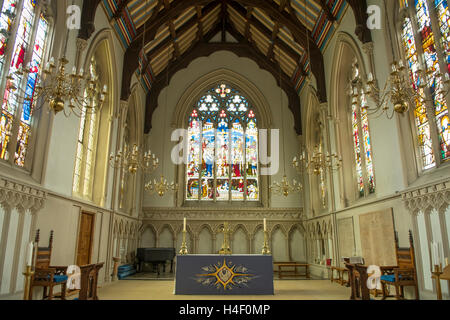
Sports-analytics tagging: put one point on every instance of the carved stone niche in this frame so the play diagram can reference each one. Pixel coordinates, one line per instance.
(17, 195)
(245, 214)
(434, 196)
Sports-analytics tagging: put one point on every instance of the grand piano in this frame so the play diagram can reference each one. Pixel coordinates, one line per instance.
(157, 257)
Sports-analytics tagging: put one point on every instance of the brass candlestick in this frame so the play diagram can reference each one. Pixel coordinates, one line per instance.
(266, 249)
(437, 275)
(28, 276)
(184, 250)
(226, 240)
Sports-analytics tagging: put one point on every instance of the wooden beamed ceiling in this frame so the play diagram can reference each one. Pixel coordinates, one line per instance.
(274, 33)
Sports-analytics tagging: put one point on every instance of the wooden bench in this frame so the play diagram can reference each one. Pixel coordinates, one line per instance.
(340, 276)
(289, 265)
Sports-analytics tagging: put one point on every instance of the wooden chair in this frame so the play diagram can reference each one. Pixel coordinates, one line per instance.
(89, 280)
(403, 274)
(47, 276)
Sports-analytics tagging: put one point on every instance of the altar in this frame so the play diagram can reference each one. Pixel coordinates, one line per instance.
(224, 275)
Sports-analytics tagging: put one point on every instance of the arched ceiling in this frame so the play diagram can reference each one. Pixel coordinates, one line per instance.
(274, 33)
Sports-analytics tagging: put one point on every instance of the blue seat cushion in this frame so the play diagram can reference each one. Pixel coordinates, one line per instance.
(126, 267)
(60, 278)
(389, 277)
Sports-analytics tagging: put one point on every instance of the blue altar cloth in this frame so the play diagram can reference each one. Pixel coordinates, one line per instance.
(224, 275)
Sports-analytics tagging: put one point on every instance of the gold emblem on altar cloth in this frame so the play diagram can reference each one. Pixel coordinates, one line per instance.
(225, 275)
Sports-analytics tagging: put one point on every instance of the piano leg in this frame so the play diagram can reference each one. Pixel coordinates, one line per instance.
(164, 267)
(171, 266)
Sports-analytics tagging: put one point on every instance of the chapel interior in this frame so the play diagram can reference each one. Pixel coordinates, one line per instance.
(314, 133)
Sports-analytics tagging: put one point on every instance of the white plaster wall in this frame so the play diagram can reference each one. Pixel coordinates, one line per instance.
(148, 239)
(165, 238)
(279, 250)
(240, 242)
(205, 243)
(258, 242)
(297, 246)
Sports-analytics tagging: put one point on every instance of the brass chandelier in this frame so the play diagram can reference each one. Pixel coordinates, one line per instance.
(162, 186)
(133, 160)
(284, 188)
(318, 162)
(399, 91)
(80, 91)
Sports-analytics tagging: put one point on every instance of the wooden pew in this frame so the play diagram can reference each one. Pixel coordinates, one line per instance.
(89, 281)
(358, 281)
(290, 272)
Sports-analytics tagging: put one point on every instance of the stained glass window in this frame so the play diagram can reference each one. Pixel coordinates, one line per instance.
(444, 26)
(87, 140)
(222, 162)
(434, 109)
(420, 112)
(435, 81)
(361, 137)
(31, 30)
(7, 16)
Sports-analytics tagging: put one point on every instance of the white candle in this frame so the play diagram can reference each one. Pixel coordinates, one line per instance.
(265, 224)
(184, 225)
(370, 77)
(30, 254)
(446, 262)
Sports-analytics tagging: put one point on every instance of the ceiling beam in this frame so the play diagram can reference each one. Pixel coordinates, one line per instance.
(87, 26)
(296, 28)
(199, 22)
(276, 30)
(188, 25)
(264, 30)
(248, 16)
(264, 63)
(324, 5)
(163, 16)
(224, 16)
(120, 9)
(360, 12)
(241, 49)
(131, 57)
(283, 4)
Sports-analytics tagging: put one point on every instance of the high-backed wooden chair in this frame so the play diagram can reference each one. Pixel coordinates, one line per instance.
(403, 274)
(89, 280)
(47, 276)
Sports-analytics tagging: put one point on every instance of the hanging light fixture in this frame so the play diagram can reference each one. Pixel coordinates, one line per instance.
(81, 92)
(284, 188)
(162, 187)
(318, 162)
(133, 160)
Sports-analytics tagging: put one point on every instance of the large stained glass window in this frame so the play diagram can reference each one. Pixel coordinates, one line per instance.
(420, 111)
(26, 50)
(87, 141)
(432, 113)
(361, 137)
(222, 161)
